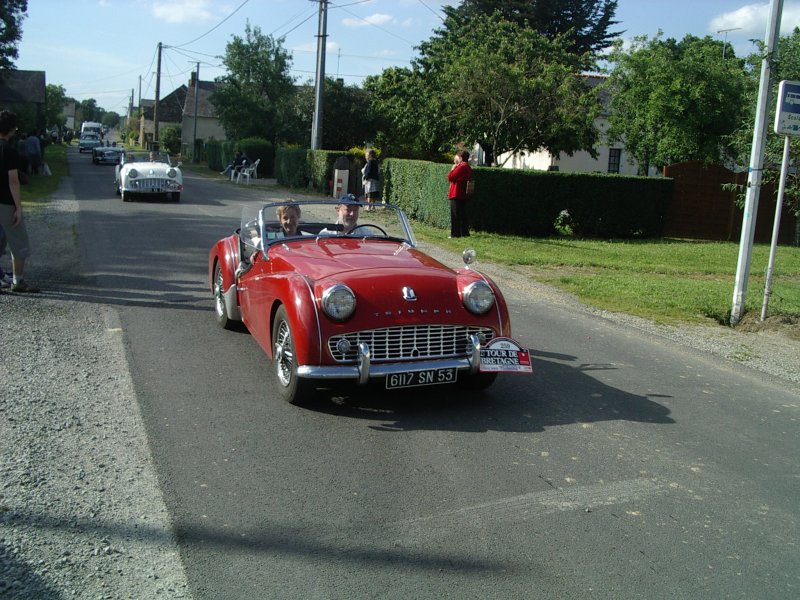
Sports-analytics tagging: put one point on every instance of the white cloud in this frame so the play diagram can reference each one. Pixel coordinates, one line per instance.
(375, 19)
(751, 19)
(182, 11)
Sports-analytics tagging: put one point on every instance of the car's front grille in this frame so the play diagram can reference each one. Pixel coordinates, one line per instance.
(151, 184)
(408, 343)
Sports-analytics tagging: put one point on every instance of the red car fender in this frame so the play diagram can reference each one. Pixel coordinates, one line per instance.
(467, 276)
(226, 253)
(296, 293)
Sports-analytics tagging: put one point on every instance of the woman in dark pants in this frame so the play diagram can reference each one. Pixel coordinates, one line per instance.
(458, 177)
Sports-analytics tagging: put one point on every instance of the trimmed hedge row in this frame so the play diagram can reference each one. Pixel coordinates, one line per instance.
(528, 203)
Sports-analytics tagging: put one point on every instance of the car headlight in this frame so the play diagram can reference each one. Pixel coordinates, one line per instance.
(133, 173)
(338, 302)
(478, 297)
(172, 173)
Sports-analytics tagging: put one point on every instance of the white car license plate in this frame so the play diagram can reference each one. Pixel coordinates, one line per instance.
(417, 378)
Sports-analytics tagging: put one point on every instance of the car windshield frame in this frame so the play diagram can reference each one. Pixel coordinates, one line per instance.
(132, 156)
(261, 229)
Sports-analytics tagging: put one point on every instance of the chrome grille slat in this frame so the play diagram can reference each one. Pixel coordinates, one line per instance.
(409, 342)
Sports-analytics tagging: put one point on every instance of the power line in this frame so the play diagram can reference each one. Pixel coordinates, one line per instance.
(215, 26)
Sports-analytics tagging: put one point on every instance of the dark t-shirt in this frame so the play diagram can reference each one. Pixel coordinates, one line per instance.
(8, 162)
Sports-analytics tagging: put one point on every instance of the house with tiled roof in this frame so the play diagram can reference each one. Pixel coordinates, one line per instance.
(204, 119)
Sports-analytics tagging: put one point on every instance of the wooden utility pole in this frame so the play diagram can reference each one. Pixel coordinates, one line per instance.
(319, 90)
(158, 93)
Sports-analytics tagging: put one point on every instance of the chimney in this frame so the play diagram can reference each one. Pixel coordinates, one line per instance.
(191, 79)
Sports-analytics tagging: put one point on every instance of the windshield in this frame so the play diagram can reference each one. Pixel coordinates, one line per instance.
(139, 157)
(279, 222)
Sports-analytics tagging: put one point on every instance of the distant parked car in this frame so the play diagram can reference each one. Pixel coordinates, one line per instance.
(107, 155)
(148, 174)
(88, 142)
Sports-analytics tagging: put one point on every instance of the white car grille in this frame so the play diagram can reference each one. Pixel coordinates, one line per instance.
(151, 184)
(408, 342)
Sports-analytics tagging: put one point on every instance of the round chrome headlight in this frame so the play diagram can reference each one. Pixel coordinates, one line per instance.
(478, 297)
(338, 302)
(172, 173)
(133, 173)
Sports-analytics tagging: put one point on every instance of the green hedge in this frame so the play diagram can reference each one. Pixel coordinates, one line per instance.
(530, 202)
(527, 203)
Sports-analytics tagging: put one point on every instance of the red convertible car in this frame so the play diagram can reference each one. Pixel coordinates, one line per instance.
(333, 295)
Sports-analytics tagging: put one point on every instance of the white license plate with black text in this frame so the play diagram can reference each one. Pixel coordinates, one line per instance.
(417, 378)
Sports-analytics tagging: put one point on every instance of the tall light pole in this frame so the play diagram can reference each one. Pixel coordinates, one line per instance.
(158, 93)
(319, 88)
(195, 158)
(756, 165)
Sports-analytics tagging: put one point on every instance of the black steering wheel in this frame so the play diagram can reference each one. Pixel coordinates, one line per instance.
(367, 226)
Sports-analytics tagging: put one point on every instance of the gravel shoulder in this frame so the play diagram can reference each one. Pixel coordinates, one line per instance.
(81, 513)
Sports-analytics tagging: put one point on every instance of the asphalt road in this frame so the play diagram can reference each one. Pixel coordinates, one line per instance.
(625, 467)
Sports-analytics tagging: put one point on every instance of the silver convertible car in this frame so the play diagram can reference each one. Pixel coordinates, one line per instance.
(148, 174)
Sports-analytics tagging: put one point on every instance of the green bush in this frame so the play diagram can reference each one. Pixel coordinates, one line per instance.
(291, 167)
(534, 203)
(171, 139)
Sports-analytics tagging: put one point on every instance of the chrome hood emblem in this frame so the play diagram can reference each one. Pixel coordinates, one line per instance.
(408, 294)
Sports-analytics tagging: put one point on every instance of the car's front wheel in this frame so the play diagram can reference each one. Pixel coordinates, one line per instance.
(290, 387)
(220, 308)
(126, 196)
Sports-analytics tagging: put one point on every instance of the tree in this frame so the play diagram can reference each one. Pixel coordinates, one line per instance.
(347, 120)
(490, 81)
(12, 13)
(584, 24)
(55, 98)
(111, 119)
(254, 94)
(675, 101)
(784, 66)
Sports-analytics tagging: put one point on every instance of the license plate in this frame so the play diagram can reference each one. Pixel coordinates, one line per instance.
(417, 378)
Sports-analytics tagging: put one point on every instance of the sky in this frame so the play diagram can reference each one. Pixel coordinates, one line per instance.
(106, 49)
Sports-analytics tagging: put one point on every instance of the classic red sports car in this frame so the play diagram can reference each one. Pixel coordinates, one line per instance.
(331, 295)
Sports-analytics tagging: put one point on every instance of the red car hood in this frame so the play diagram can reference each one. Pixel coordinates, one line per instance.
(378, 272)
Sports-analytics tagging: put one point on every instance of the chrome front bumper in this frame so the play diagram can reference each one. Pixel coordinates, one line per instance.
(364, 370)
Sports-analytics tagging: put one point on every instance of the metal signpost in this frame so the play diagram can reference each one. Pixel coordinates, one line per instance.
(787, 123)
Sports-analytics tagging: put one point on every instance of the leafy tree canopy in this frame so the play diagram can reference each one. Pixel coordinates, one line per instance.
(55, 96)
(491, 81)
(346, 118)
(584, 24)
(12, 12)
(675, 101)
(256, 90)
(785, 65)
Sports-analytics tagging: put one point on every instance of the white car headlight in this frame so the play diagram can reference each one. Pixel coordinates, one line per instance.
(133, 173)
(338, 302)
(478, 297)
(172, 173)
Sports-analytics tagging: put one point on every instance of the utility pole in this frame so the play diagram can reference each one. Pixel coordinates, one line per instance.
(756, 165)
(316, 126)
(195, 158)
(158, 93)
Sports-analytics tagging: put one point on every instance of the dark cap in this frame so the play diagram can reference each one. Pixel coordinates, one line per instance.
(348, 199)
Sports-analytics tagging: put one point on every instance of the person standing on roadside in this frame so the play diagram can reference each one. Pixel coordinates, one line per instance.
(458, 177)
(11, 204)
(372, 180)
(33, 148)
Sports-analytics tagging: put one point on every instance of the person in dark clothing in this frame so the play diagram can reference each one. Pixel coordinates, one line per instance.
(458, 177)
(11, 204)
(372, 183)
(239, 162)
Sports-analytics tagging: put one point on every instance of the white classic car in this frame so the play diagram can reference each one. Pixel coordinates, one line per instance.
(148, 174)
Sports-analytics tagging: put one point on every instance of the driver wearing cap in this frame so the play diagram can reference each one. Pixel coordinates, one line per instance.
(346, 216)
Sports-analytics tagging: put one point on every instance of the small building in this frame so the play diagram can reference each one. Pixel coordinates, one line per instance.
(24, 92)
(205, 120)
